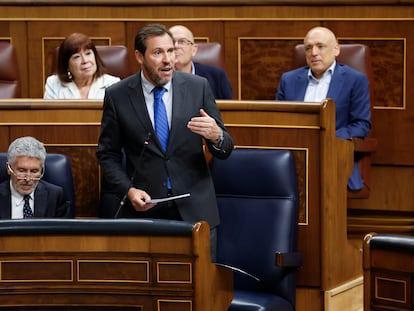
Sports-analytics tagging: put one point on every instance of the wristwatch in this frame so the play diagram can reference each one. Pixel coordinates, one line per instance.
(219, 141)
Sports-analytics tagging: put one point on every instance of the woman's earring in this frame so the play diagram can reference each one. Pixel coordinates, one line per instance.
(70, 75)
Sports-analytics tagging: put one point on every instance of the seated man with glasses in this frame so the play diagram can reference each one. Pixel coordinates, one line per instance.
(185, 49)
(25, 195)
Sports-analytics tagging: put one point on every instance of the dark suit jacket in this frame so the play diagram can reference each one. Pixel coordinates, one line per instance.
(48, 201)
(217, 78)
(349, 89)
(126, 125)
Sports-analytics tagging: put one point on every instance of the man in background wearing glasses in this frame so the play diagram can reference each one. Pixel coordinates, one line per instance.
(185, 50)
(25, 195)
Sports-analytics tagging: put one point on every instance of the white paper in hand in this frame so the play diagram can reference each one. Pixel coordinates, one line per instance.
(175, 197)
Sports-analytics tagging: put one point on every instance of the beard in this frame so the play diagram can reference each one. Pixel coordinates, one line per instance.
(153, 75)
(24, 187)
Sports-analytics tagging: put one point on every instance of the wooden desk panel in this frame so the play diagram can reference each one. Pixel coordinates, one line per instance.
(111, 271)
(388, 273)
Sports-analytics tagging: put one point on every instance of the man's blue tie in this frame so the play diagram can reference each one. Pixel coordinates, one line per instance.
(160, 117)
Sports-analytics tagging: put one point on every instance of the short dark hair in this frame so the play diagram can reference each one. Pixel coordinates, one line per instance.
(74, 43)
(150, 30)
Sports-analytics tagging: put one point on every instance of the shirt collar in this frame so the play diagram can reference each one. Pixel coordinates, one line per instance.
(329, 71)
(17, 195)
(148, 86)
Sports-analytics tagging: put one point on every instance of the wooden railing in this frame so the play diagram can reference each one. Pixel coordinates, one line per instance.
(118, 264)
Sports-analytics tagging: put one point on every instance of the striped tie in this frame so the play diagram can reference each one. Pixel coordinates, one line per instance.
(160, 117)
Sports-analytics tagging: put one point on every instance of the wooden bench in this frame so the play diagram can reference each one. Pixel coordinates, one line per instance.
(117, 264)
(388, 262)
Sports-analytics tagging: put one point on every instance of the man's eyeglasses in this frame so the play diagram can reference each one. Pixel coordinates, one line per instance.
(183, 42)
(26, 176)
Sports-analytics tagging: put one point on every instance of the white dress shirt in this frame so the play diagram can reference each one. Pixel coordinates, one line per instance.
(17, 203)
(147, 87)
(317, 90)
(56, 89)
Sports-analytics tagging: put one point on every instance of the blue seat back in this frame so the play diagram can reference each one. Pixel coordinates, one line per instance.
(58, 171)
(257, 195)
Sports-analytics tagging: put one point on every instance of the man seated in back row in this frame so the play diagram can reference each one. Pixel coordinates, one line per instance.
(324, 78)
(25, 195)
(185, 50)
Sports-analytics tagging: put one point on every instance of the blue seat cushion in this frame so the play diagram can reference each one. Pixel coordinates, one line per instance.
(258, 301)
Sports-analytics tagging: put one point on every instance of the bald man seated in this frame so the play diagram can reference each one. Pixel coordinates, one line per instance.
(324, 78)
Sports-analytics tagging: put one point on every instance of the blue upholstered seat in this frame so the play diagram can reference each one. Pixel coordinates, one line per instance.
(257, 194)
(58, 171)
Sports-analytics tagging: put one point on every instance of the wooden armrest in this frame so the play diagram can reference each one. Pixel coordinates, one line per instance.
(289, 260)
(368, 144)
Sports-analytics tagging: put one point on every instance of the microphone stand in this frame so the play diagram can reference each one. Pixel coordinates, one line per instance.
(122, 202)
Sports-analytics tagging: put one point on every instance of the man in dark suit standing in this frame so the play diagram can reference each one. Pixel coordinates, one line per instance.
(186, 48)
(129, 125)
(26, 195)
(324, 78)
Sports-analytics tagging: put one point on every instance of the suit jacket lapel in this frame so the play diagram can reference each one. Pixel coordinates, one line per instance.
(5, 200)
(178, 107)
(40, 200)
(137, 100)
(337, 82)
(301, 85)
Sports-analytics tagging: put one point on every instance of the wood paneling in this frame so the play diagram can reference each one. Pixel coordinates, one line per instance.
(256, 53)
(388, 283)
(208, 2)
(97, 266)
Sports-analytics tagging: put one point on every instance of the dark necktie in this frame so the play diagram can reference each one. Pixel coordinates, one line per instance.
(160, 117)
(27, 211)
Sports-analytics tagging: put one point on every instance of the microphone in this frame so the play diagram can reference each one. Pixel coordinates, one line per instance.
(122, 202)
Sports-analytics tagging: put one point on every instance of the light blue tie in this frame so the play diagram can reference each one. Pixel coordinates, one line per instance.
(160, 117)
